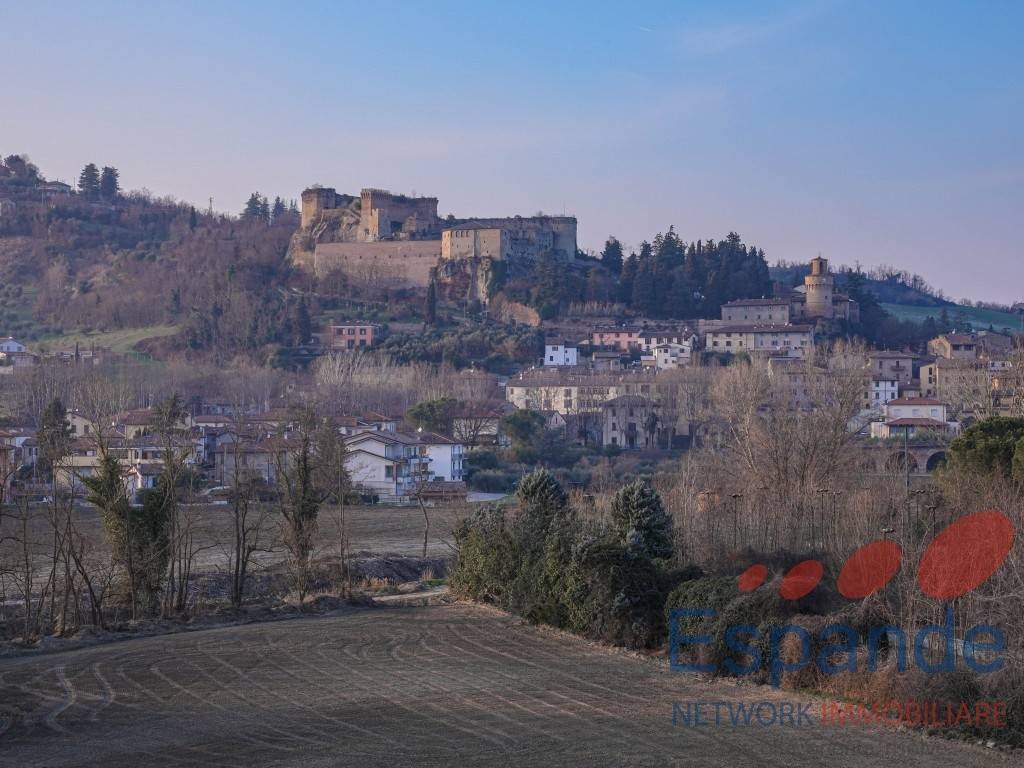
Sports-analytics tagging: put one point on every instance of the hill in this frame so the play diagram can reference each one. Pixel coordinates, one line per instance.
(113, 269)
(978, 317)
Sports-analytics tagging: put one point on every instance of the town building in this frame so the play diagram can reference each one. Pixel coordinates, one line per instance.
(350, 337)
(786, 340)
(898, 366)
(571, 391)
(621, 338)
(954, 346)
(560, 353)
(882, 390)
(669, 356)
(772, 311)
(910, 417)
(630, 422)
(9, 344)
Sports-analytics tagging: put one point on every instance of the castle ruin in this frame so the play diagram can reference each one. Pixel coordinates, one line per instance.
(400, 241)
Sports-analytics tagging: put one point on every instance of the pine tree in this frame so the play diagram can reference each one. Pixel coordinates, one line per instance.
(644, 292)
(639, 519)
(54, 435)
(302, 325)
(252, 207)
(611, 256)
(110, 183)
(277, 210)
(89, 181)
(629, 269)
(679, 297)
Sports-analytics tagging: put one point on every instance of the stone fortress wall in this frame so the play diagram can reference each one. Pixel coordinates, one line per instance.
(388, 263)
(382, 237)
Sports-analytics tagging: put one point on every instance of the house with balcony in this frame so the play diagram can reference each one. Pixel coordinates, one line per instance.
(910, 418)
(390, 465)
(889, 365)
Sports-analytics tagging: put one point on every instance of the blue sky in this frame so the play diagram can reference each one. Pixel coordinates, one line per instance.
(872, 132)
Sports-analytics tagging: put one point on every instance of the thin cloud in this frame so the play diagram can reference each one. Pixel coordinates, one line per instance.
(719, 39)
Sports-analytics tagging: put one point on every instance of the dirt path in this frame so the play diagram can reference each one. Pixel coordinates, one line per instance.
(435, 686)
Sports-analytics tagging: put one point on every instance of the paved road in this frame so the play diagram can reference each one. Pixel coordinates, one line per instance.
(435, 686)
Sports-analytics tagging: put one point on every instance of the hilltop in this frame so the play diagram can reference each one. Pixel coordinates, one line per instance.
(96, 266)
(77, 265)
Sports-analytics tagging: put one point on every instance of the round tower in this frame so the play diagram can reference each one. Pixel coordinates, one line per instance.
(819, 285)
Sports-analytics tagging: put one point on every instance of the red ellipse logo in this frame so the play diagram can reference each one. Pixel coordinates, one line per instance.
(869, 569)
(801, 579)
(965, 554)
(752, 578)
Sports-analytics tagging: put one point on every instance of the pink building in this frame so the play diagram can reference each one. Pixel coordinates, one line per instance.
(621, 338)
(348, 337)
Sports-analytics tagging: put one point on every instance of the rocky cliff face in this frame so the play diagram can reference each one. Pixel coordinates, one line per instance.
(464, 279)
(336, 225)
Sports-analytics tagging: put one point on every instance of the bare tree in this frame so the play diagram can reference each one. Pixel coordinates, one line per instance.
(299, 498)
(250, 523)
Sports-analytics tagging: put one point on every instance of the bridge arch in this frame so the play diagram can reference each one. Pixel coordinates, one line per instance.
(935, 461)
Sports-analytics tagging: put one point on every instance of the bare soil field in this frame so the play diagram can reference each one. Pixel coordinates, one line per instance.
(454, 685)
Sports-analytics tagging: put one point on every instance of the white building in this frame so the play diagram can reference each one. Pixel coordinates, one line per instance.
(395, 464)
(445, 456)
(881, 391)
(560, 354)
(906, 417)
(9, 344)
(664, 357)
(388, 464)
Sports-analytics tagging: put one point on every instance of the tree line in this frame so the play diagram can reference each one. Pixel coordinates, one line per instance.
(666, 278)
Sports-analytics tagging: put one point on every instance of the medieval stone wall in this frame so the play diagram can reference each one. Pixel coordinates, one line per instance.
(384, 264)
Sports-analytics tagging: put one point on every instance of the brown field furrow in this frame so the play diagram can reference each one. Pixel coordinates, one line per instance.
(429, 686)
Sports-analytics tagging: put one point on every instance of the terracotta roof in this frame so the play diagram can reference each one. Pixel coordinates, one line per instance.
(762, 329)
(916, 401)
(775, 301)
(886, 353)
(916, 422)
(957, 338)
(138, 418)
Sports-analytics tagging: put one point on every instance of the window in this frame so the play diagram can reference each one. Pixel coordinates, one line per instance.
(389, 471)
(362, 331)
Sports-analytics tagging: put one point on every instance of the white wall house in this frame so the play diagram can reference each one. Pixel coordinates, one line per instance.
(445, 456)
(881, 391)
(560, 354)
(10, 344)
(906, 417)
(391, 464)
(664, 357)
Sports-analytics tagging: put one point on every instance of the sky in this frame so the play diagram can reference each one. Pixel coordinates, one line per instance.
(870, 132)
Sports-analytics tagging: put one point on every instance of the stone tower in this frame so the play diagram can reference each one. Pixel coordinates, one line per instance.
(315, 201)
(819, 286)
